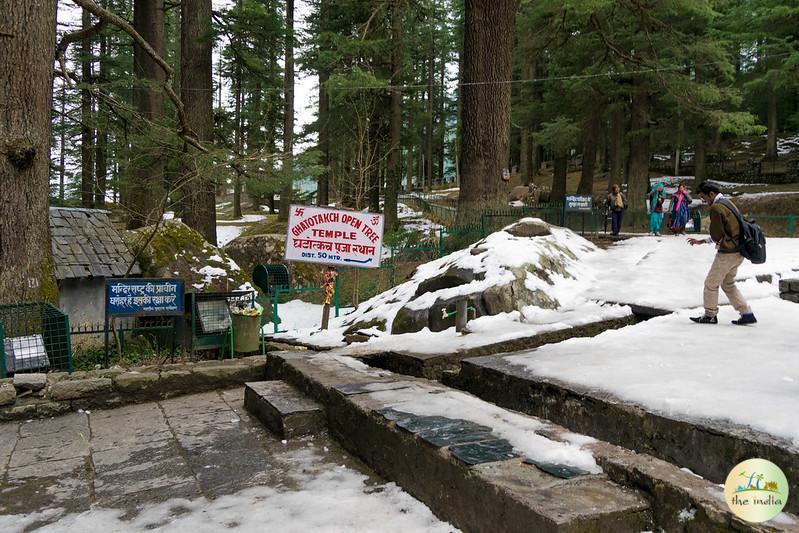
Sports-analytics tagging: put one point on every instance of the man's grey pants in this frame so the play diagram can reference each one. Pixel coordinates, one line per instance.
(723, 272)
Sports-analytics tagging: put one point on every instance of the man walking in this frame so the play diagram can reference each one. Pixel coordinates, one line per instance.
(725, 232)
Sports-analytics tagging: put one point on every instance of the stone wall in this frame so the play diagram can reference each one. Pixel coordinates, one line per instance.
(789, 290)
(27, 396)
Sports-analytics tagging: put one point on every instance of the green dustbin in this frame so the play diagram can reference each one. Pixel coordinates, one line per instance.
(246, 333)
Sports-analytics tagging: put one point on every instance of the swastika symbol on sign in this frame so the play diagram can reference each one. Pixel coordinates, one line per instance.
(299, 211)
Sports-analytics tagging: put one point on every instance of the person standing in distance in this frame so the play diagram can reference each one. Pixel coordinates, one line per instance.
(616, 204)
(725, 232)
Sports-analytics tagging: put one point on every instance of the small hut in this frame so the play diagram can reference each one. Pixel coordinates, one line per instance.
(87, 249)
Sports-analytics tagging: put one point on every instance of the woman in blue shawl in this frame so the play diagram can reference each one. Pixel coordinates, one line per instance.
(655, 201)
(680, 210)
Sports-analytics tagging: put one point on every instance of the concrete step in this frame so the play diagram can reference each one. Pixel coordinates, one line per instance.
(283, 409)
(710, 448)
(434, 366)
(468, 473)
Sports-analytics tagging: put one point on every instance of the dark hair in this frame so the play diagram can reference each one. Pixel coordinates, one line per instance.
(706, 188)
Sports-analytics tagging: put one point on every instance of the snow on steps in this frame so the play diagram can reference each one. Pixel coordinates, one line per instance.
(708, 447)
(634, 491)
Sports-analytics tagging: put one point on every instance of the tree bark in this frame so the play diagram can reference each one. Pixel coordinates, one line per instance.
(700, 155)
(485, 113)
(239, 131)
(590, 141)
(288, 118)
(101, 156)
(617, 133)
(559, 174)
(638, 178)
(394, 170)
(429, 125)
(197, 93)
(147, 181)
(771, 137)
(86, 119)
(62, 159)
(27, 49)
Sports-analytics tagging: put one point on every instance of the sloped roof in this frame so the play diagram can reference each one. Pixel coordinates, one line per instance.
(85, 244)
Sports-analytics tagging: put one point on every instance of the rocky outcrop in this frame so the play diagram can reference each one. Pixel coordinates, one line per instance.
(498, 298)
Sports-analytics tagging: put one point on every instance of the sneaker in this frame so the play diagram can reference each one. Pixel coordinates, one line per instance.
(746, 318)
(704, 319)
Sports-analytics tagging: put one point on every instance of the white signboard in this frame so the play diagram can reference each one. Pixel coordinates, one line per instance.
(334, 236)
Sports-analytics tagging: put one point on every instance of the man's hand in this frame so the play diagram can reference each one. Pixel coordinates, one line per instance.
(694, 242)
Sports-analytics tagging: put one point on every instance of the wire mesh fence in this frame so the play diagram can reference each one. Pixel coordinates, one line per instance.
(34, 337)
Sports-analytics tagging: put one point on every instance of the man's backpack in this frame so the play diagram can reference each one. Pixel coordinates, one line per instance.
(752, 242)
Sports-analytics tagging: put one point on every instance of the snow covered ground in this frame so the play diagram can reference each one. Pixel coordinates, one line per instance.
(296, 314)
(226, 233)
(334, 500)
(748, 375)
(666, 272)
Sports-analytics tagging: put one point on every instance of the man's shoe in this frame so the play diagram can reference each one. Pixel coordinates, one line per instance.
(704, 319)
(746, 318)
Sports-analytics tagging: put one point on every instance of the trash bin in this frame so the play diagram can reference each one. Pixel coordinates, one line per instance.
(246, 323)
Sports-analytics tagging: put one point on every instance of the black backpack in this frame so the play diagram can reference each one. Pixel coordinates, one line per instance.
(752, 243)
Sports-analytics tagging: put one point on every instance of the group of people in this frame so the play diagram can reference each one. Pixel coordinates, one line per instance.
(679, 209)
(725, 234)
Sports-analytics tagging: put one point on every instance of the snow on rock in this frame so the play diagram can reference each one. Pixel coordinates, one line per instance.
(746, 375)
(517, 429)
(226, 233)
(526, 279)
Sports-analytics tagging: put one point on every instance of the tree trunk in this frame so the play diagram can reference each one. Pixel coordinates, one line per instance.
(288, 118)
(146, 190)
(394, 170)
(485, 112)
(428, 138)
(323, 185)
(559, 174)
(525, 156)
(101, 156)
(62, 159)
(239, 138)
(617, 133)
(196, 91)
(700, 155)
(86, 119)
(771, 138)
(586, 186)
(27, 48)
(441, 119)
(638, 178)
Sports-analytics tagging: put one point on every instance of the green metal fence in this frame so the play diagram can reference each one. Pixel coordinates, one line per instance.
(34, 337)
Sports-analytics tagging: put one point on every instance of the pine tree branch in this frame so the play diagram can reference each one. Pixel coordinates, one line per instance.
(184, 131)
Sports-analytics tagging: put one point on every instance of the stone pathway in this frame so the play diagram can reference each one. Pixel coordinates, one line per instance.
(126, 458)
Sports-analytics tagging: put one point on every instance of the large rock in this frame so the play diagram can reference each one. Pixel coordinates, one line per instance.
(8, 394)
(453, 277)
(79, 388)
(529, 227)
(32, 382)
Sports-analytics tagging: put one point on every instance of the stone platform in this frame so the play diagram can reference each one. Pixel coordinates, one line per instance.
(707, 447)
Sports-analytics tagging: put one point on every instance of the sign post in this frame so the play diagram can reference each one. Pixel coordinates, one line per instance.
(141, 297)
(333, 237)
(578, 204)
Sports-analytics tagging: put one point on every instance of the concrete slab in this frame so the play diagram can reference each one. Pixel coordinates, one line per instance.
(284, 410)
(473, 498)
